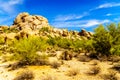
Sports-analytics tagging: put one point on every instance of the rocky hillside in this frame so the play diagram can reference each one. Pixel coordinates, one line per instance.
(26, 24)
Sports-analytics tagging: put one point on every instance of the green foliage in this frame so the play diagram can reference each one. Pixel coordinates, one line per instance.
(31, 44)
(43, 29)
(75, 45)
(1, 40)
(78, 45)
(107, 40)
(102, 40)
(64, 43)
(88, 46)
(60, 42)
(25, 49)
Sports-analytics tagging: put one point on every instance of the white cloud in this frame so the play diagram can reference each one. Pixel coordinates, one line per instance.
(117, 19)
(91, 23)
(9, 5)
(108, 5)
(108, 14)
(70, 17)
(81, 23)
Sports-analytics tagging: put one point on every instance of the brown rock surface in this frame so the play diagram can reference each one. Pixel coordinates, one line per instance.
(33, 22)
(85, 33)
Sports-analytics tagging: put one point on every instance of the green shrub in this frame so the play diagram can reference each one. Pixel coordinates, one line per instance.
(78, 45)
(102, 40)
(107, 40)
(88, 46)
(65, 43)
(60, 42)
(31, 44)
(25, 49)
(43, 29)
(52, 41)
(1, 40)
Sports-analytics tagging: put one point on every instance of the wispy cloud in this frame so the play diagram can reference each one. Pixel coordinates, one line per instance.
(8, 10)
(70, 17)
(106, 5)
(80, 23)
(91, 23)
(109, 14)
(9, 5)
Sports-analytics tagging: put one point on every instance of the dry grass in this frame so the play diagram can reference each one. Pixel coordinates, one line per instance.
(48, 77)
(110, 76)
(94, 70)
(73, 72)
(94, 62)
(116, 67)
(26, 75)
(83, 58)
(55, 64)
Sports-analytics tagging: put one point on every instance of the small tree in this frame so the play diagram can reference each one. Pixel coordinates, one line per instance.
(25, 49)
(102, 40)
(107, 40)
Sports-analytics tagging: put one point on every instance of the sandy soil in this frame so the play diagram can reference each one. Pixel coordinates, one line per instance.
(41, 72)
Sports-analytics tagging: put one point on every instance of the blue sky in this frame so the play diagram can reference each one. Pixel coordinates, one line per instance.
(70, 14)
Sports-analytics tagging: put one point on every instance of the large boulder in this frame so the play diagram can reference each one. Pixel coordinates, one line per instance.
(26, 21)
(85, 33)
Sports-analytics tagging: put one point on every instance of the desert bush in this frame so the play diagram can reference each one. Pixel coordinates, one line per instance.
(52, 41)
(114, 58)
(83, 58)
(43, 29)
(30, 44)
(95, 62)
(73, 72)
(26, 75)
(107, 40)
(25, 50)
(66, 55)
(94, 70)
(64, 43)
(88, 46)
(78, 45)
(75, 45)
(102, 40)
(1, 40)
(116, 67)
(55, 64)
(30, 59)
(110, 76)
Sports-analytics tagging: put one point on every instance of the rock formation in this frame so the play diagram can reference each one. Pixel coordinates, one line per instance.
(26, 25)
(85, 33)
(26, 21)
